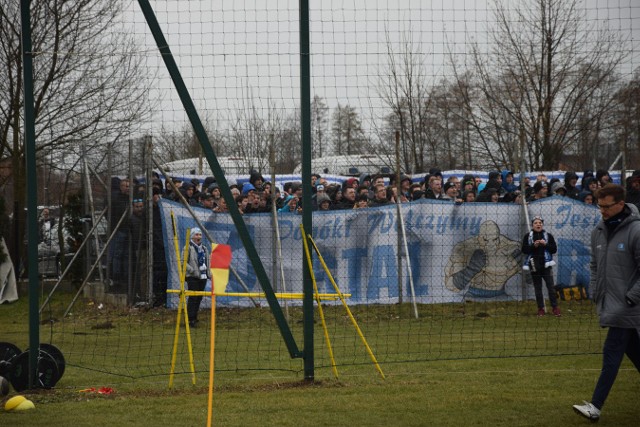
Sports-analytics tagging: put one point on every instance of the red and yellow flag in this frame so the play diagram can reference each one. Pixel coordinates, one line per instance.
(220, 262)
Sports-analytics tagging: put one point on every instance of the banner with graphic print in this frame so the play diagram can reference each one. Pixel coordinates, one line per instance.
(456, 252)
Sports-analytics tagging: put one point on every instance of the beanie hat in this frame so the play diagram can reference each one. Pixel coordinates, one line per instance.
(247, 187)
(557, 186)
(537, 218)
(323, 198)
(196, 230)
(539, 185)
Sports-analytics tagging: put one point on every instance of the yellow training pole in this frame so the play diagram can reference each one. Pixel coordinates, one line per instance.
(279, 295)
(176, 335)
(334, 368)
(212, 351)
(186, 313)
(346, 307)
(182, 305)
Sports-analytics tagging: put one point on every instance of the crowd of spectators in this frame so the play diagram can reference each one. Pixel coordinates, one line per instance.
(255, 196)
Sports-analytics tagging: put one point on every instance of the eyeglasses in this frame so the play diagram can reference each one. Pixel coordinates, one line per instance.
(605, 207)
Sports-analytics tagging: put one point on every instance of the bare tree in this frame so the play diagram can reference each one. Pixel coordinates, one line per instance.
(402, 86)
(546, 66)
(627, 119)
(171, 144)
(253, 129)
(87, 83)
(289, 145)
(348, 135)
(319, 125)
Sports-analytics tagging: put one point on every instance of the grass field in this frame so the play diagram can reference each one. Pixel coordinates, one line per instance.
(492, 365)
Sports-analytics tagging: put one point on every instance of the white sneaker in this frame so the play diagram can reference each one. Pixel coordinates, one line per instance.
(587, 410)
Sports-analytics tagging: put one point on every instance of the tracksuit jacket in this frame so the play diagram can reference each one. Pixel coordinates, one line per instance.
(615, 272)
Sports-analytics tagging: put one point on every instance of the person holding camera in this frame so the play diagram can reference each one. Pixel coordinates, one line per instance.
(539, 246)
(197, 273)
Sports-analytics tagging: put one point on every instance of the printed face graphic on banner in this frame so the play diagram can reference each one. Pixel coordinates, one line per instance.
(481, 265)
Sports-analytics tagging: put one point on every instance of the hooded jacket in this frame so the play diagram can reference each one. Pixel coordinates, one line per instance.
(615, 275)
(509, 188)
(572, 191)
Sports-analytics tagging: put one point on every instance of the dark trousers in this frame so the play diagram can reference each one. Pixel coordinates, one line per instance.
(119, 257)
(538, 277)
(619, 341)
(193, 303)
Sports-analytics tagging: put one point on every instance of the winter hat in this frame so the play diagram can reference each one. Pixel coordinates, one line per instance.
(254, 176)
(494, 175)
(349, 182)
(196, 230)
(448, 185)
(323, 198)
(537, 218)
(435, 171)
(570, 175)
(557, 186)
(539, 185)
(246, 188)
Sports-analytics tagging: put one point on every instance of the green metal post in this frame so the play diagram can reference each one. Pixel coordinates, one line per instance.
(307, 220)
(32, 195)
(201, 133)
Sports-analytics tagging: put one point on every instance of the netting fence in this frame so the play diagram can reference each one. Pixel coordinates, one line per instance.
(396, 86)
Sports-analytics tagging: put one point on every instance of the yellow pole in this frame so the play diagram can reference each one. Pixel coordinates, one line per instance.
(334, 368)
(182, 305)
(180, 301)
(279, 295)
(212, 352)
(185, 258)
(346, 307)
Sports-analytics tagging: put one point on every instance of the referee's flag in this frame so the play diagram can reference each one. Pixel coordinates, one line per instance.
(220, 262)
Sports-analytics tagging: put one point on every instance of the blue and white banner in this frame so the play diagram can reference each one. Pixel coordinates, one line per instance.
(456, 252)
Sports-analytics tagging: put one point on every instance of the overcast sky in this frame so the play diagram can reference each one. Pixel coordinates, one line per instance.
(229, 51)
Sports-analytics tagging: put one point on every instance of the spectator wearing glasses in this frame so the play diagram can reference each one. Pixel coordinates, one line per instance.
(615, 289)
(380, 196)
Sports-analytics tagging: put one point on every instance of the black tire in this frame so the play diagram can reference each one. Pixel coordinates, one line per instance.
(46, 372)
(57, 356)
(8, 352)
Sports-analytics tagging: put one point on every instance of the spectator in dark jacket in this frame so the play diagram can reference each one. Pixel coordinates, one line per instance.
(507, 182)
(570, 184)
(539, 246)
(586, 174)
(633, 189)
(603, 177)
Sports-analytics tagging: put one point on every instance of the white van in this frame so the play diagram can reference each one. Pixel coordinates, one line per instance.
(350, 165)
(230, 166)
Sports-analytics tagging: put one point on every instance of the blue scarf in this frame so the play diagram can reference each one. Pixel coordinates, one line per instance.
(548, 258)
(201, 253)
